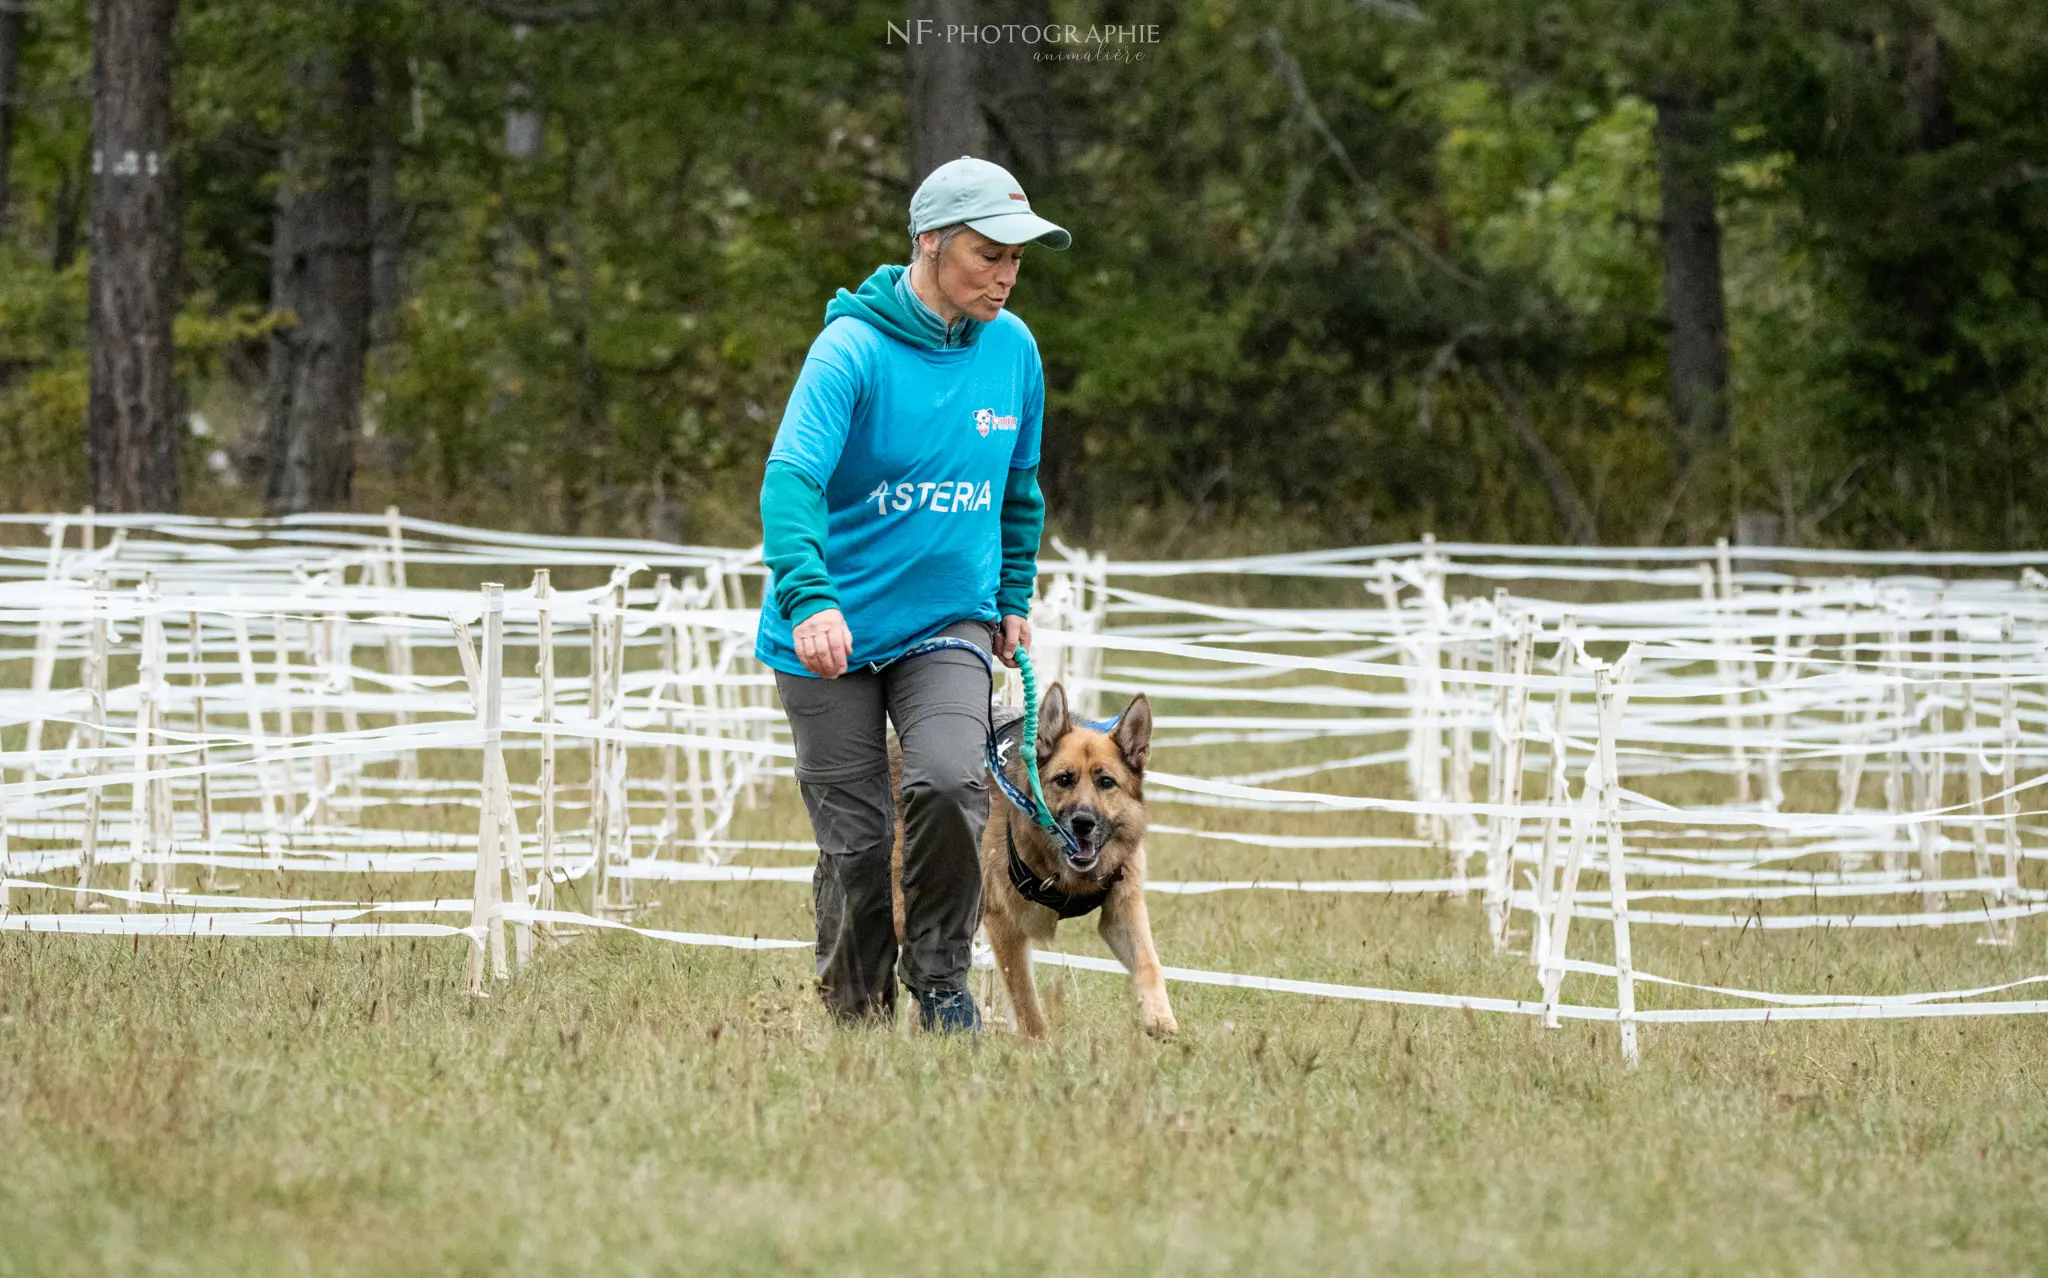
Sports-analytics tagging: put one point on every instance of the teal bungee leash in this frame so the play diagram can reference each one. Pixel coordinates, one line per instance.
(1027, 740)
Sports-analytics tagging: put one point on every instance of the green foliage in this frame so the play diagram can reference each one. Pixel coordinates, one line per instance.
(1581, 225)
(621, 315)
(42, 371)
(1294, 301)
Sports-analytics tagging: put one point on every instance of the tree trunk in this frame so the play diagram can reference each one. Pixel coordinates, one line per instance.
(1934, 123)
(388, 225)
(1695, 301)
(1022, 121)
(13, 25)
(132, 427)
(321, 279)
(946, 119)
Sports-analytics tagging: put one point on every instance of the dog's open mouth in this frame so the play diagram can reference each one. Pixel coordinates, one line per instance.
(1083, 852)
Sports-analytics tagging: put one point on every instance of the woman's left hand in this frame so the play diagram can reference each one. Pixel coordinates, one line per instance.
(1016, 630)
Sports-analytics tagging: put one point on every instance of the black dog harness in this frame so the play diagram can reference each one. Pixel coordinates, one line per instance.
(1046, 891)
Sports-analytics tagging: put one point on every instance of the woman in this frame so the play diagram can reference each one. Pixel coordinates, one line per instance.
(900, 503)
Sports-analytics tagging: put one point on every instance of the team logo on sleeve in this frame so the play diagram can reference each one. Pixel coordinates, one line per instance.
(985, 420)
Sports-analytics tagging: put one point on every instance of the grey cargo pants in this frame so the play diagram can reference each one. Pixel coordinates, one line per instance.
(939, 703)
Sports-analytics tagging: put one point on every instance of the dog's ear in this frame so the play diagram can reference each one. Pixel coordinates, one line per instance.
(1133, 733)
(1053, 721)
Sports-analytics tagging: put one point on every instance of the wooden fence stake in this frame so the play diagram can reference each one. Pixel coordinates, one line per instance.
(594, 703)
(341, 653)
(619, 821)
(543, 595)
(141, 821)
(1849, 769)
(721, 767)
(1973, 789)
(49, 638)
(398, 640)
(1610, 700)
(485, 917)
(665, 696)
(1430, 731)
(510, 853)
(1934, 771)
(319, 655)
(259, 746)
(286, 727)
(1496, 742)
(2009, 729)
(95, 735)
(688, 647)
(1782, 665)
(1508, 828)
(746, 763)
(1727, 668)
(1559, 947)
(1899, 698)
(1463, 828)
(1556, 790)
(6, 857)
(196, 673)
(1390, 599)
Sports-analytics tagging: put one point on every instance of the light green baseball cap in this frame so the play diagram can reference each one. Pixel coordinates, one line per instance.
(987, 198)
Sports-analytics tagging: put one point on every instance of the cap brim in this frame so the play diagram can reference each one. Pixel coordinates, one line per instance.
(1022, 228)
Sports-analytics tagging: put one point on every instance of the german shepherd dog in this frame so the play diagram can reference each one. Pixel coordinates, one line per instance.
(1094, 788)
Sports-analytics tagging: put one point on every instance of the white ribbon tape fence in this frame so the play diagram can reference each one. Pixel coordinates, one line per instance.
(322, 694)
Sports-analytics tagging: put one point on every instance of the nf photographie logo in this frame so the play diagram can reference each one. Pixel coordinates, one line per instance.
(1092, 37)
(1048, 42)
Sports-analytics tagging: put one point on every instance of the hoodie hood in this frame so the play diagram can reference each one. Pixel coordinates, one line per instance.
(887, 302)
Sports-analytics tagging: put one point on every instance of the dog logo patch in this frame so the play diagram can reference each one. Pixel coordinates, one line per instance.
(987, 419)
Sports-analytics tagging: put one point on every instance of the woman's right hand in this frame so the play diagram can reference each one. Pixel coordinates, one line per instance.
(823, 643)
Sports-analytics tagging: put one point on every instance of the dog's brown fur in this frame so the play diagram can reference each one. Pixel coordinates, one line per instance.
(1080, 768)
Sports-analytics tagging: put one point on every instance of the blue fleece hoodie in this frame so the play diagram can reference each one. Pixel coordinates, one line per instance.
(902, 487)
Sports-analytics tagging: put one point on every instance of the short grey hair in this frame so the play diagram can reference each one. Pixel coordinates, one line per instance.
(946, 236)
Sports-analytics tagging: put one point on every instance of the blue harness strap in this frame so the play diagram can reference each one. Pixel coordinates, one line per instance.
(998, 748)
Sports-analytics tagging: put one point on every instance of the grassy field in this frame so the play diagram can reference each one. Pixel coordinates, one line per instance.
(253, 1106)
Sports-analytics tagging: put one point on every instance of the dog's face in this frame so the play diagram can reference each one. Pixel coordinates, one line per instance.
(1094, 781)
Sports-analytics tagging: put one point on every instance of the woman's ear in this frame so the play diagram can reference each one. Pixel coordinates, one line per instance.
(1053, 721)
(1133, 733)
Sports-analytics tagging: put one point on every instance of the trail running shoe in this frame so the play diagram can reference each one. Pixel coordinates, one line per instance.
(949, 1012)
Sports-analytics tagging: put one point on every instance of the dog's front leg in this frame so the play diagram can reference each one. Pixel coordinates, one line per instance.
(1127, 929)
(1012, 949)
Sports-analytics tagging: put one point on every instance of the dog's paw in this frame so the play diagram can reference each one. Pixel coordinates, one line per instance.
(1161, 1024)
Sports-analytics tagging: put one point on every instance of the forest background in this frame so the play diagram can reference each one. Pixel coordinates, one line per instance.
(1623, 271)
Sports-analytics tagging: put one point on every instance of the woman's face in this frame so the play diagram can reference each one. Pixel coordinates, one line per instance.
(976, 273)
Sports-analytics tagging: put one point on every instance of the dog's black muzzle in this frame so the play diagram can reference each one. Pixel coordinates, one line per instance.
(1091, 832)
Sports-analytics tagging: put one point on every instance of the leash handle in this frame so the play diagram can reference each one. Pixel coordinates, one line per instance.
(1041, 813)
